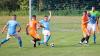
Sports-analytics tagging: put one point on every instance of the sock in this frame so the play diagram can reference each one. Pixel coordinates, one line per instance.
(48, 37)
(87, 39)
(46, 40)
(94, 38)
(41, 42)
(82, 39)
(35, 42)
(4, 41)
(20, 41)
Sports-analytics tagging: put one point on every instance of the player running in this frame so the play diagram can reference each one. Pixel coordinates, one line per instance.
(95, 13)
(46, 29)
(31, 30)
(84, 26)
(11, 27)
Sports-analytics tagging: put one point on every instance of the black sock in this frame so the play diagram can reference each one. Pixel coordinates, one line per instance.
(87, 39)
(35, 42)
(82, 39)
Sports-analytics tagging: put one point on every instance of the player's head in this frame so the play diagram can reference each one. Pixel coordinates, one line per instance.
(14, 17)
(46, 18)
(93, 8)
(85, 12)
(33, 17)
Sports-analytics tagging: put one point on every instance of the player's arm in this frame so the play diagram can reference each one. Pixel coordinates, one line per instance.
(85, 22)
(4, 28)
(49, 15)
(19, 27)
(27, 29)
(39, 25)
(98, 15)
(42, 26)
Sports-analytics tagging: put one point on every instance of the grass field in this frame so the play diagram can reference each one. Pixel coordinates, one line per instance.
(66, 34)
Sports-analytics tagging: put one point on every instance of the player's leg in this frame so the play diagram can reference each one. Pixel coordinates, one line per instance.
(83, 39)
(34, 42)
(19, 39)
(35, 37)
(94, 34)
(5, 40)
(47, 36)
(84, 34)
(88, 32)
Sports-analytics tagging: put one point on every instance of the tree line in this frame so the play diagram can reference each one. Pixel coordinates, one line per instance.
(43, 5)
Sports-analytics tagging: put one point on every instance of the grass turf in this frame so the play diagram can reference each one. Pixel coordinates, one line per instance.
(66, 34)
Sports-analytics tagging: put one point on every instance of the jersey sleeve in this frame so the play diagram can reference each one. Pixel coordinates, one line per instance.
(7, 23)
(18, 24)
(41, 21)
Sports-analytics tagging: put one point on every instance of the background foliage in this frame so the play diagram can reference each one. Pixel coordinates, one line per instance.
(40, 7)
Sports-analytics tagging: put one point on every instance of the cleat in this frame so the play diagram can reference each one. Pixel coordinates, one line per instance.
(94, 42)
(85, 42)
(80, 43)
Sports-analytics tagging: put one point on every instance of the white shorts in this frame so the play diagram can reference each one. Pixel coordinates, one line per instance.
(46, 32)
(15, 35)
(91, 27)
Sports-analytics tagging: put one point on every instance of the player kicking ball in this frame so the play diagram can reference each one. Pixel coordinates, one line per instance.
(11, 27)
(31, 30)
(45, 29)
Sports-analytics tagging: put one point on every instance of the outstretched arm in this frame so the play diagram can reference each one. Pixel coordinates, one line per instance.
(4, 28)
(49, 15)
(19, 29)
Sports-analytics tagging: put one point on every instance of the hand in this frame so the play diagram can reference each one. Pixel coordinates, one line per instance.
(2, 32)
(18, 31)
(50, 12)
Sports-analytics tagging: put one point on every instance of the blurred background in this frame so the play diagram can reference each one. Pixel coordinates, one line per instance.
(41, 7)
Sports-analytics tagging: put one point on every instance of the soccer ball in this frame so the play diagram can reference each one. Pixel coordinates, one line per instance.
(52, 44)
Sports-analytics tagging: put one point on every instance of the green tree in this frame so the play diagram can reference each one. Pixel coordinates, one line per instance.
(23, 4)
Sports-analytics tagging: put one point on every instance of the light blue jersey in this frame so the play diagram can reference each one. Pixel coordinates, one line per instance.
(45, 24)
(12, 25)
(92, 19)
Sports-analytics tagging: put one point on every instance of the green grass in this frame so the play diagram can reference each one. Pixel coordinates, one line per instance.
(66, 34)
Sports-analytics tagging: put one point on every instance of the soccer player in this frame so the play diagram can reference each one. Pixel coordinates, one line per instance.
(11, 27)
(46, 29)
(95, 13)
(31, 30)
(84, 26)
(92, 26)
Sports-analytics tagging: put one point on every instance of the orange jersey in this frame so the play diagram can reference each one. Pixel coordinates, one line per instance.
(84, 24)
(33, 29)
(33, 25)
(84, 19)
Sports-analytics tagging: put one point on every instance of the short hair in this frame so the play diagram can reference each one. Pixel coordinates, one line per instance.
(14, 15)
(45, 16)
(33, 15)
(85, 11)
